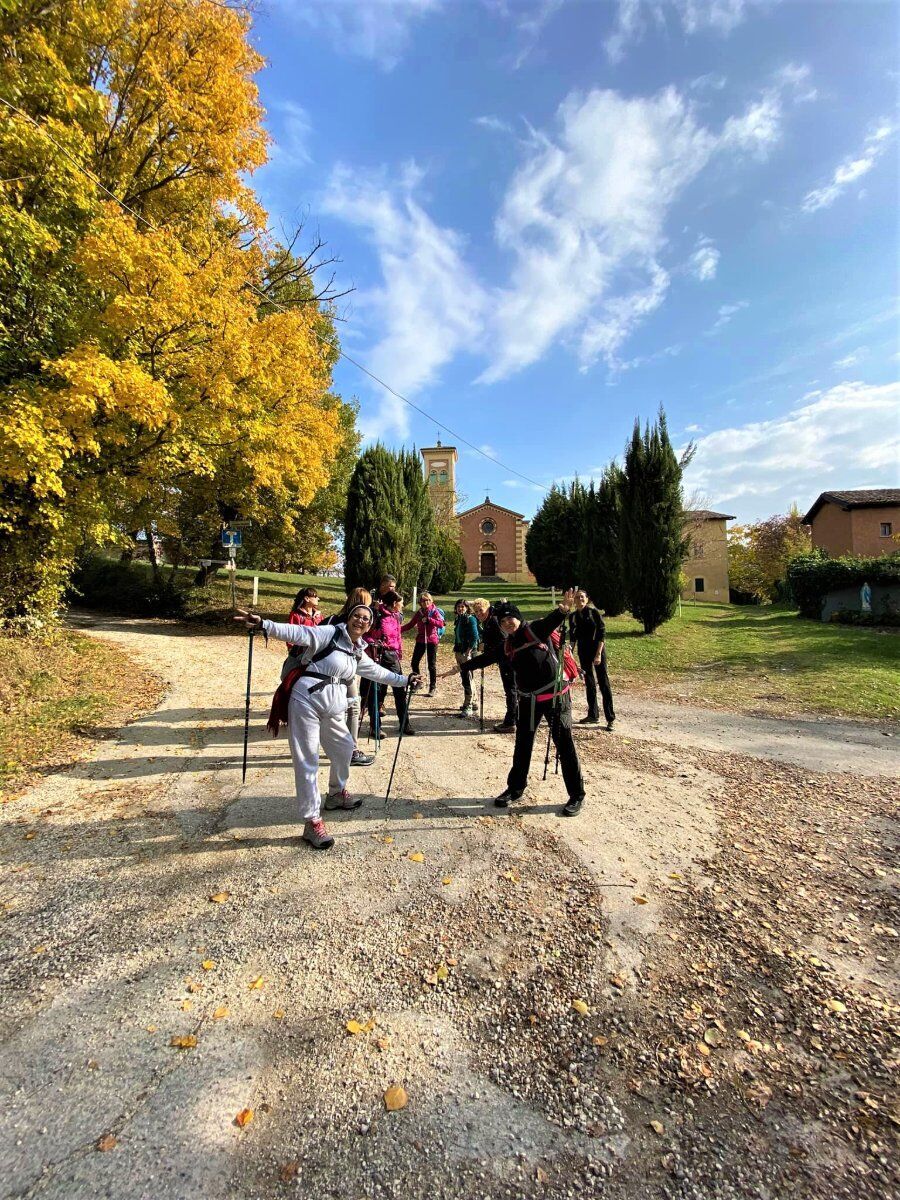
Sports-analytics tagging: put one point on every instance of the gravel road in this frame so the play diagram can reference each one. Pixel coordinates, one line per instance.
(148, 897)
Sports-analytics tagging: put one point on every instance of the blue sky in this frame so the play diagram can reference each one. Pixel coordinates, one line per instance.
(558, 215)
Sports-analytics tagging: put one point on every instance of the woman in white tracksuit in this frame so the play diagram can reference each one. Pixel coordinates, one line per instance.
(318, 705)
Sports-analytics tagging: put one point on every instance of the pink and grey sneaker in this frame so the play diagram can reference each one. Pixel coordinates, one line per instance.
(317, 835)
(342, 799)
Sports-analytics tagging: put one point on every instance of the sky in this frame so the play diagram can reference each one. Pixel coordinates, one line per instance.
(558, 215)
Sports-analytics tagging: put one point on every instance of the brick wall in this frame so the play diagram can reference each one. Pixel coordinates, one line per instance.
(503, 538)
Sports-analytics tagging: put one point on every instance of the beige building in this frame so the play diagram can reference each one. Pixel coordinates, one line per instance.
(865, 522)
(706, 565)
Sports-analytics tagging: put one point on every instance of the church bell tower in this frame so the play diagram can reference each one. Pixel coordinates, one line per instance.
(440, 475)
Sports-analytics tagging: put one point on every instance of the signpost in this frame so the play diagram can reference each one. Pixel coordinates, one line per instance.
(232, 540)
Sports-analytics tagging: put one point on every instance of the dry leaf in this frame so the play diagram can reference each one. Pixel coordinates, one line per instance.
(194, 987)
(353, 1027)
(257, 984)
(30, 835)
(278, 1014)
(581, 1007)
(151, 1029)
(675, 875)
(220, 1012)
(383, 1043)
(244, 1117)
(703, 1049)
(288, 1171)
(187, 1005)
(617, 981)
(447, 879)
(220, 897)
(443, 973)
(387, 840)
(207, 964)
(107, 1142)
(541, 1175)
(657, 1127)
(395, 1098)
(599, 1039)
(757, 1093)
(713, 1036)
(187, 1042)
(416, 856)
(836, 1006)
(640, 899)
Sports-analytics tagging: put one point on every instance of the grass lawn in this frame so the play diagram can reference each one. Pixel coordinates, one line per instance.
(55, 693)
(739, 657)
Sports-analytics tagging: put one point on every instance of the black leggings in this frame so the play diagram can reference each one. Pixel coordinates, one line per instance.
(418, 650)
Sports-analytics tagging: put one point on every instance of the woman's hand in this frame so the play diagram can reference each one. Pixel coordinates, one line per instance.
(251, 620)
(566, 600)
(414, 680)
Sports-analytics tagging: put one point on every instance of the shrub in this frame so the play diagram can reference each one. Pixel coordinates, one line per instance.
(450, 572)
(812, 576)
(125, 587)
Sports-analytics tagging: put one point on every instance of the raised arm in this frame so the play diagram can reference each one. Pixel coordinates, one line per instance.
(369, 669)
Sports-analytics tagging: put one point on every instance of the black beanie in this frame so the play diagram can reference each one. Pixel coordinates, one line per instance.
(505, 609)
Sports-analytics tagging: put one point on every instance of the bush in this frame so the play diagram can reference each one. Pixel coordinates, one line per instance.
(125, 587)
(450, 572)
(849, 616)
(811, 576)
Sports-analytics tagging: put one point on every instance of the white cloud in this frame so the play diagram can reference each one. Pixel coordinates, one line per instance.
(429, 306)
(694, 16)
(725, 314)
(494, 124)
(708, 82)
(526, 487)
(850, 169)
(846, 437)
(850, 360)
(375, 29)
(797, 77)
(293, 128)
(704, 262)
(693, 429)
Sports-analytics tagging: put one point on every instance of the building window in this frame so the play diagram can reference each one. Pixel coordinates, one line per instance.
(442, 477)
(885, 529)
(432, 477)
(699, 585)
(488, 527)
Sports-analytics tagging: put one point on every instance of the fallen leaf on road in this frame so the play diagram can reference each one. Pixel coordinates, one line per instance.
(107, 1142)
(836, 1006)
(151, 1029)
(703, 1049)
(581, 1007)
(244, 1117)
(617, 981)
(599, 1040)
(416, 856)
(30, 835)
(387, 840)
(383, 1043)
(194, 987)
(257, 984)
(657, 1127)
(220, 897)
(541, 1175)
(187, 1005)
(208, 964)
(675, 875)
(757, 1093)
(187, 1042)
(640, 899)
(220, 1012)
(278, 1014)
(713, 1036)
(447, 879)
(395, 1098)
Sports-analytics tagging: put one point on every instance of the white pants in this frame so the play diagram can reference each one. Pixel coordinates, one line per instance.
(320, 717)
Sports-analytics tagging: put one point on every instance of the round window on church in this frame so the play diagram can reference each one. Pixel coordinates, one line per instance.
(488, 527)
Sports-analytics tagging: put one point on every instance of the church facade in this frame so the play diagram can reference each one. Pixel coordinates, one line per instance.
(491, 537)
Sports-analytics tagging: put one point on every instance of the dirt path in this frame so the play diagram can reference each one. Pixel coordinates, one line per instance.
(467, 961)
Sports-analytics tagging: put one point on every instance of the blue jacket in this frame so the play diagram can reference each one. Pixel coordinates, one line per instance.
(465, 633)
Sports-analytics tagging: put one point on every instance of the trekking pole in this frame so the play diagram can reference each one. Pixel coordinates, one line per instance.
(247, 704)
(377, 724)
(406, 702)
(558, 700)
(556, 686)
(481, 717)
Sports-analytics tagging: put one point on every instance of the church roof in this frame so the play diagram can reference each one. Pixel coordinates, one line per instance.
(489, 503)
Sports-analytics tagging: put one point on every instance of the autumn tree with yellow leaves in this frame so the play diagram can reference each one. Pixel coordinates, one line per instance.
(162, 359)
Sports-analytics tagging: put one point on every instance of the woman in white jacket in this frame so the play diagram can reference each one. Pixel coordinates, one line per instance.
(316, 710)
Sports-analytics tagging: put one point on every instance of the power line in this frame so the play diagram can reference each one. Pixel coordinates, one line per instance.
(252, 287)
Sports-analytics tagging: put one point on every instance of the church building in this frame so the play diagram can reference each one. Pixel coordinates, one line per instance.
(491, 537)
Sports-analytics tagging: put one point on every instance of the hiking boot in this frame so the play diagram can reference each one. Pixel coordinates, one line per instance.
(505, 727)
(589, 721)
(342, 799)
(573, 807)
(430, 693)
(609, 725)
(506, 798)
(317, 835)
(358, 759)
(471, 711)
(463, 712)
(408, 730)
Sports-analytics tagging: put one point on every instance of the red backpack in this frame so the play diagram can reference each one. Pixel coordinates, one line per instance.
(570, 667)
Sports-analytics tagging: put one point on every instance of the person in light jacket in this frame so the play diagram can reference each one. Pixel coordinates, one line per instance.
(465, 642)
(313, 705)
(426, 621)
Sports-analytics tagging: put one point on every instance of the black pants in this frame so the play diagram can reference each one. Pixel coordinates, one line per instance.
(418, 650)
(560, 723)
(586, 658)
(508, 676)
(390, 662)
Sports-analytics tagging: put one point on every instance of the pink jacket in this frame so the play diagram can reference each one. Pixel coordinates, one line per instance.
(387, 631)
(427, 624)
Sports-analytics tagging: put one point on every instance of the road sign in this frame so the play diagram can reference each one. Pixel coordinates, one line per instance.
(232, 537)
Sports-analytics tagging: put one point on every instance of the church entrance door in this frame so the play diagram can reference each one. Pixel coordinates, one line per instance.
(488, 564)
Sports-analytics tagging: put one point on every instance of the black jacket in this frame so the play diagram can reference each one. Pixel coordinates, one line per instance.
(491, 633)
(532, 666)
(587, 631)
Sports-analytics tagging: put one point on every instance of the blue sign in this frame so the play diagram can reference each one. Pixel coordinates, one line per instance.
(232, 537)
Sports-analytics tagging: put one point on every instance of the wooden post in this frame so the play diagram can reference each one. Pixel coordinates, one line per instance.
(255, 590)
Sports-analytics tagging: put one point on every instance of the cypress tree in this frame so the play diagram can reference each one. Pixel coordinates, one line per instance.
(555, 535)
(600, 558)
(653, 544)
(377, 539)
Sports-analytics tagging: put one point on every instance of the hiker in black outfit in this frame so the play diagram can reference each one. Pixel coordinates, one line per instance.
(492, 639)
(588, 634)
(528, 646)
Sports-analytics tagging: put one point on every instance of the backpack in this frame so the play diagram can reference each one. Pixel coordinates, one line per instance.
(440, 631)
(278, 713)
(570, 667)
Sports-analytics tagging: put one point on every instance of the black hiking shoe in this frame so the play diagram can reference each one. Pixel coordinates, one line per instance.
(506, 798)
(408, 731)
(573, 806)
(505, 727)
(589, 721)
(608, 727)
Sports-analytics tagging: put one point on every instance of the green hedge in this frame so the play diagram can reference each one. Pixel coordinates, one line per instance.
(811, 576)
(125, 587)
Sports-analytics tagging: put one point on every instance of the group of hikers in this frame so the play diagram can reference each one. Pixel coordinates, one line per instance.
(338, 666)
